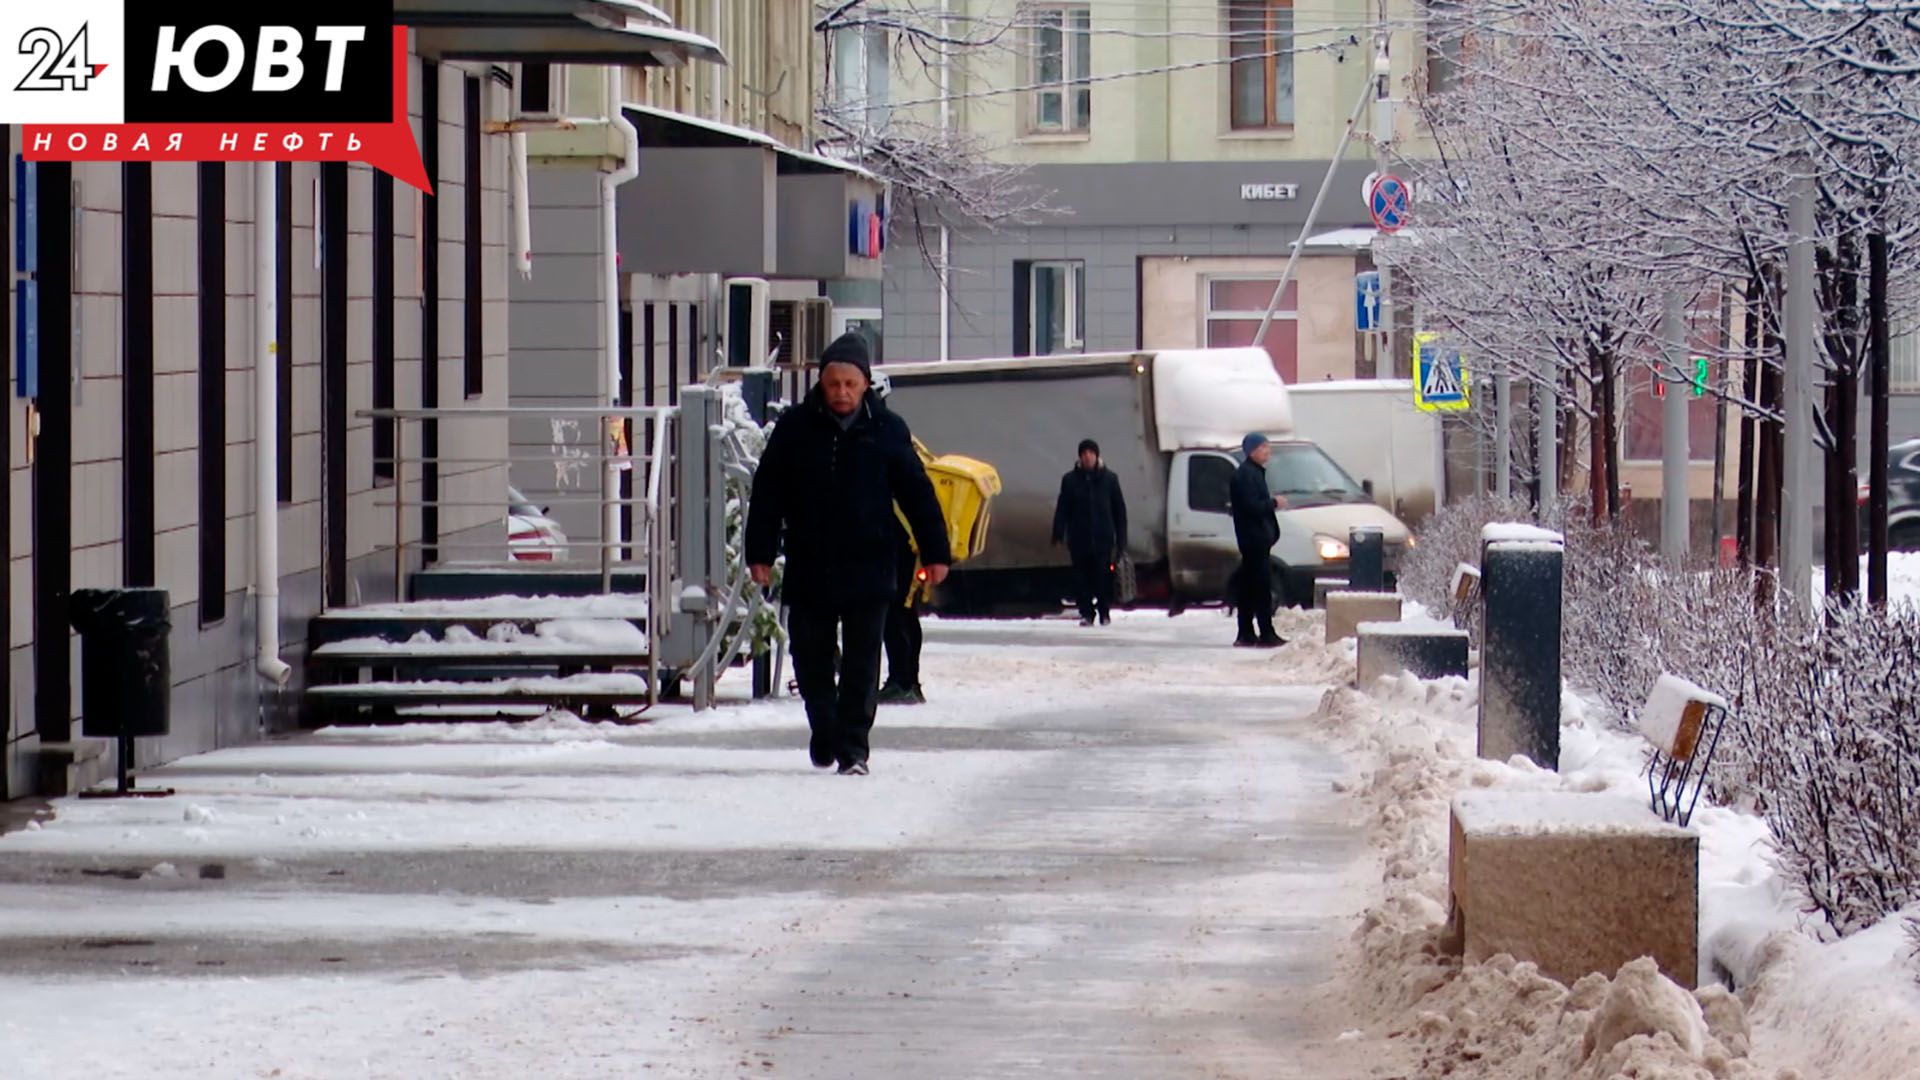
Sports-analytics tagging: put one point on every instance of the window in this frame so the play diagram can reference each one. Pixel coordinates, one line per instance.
(475, 364)
(1260, 41)
(861, 72)
(213, 392)
(383, 430)
(1049, 302)
(1904, 369)
(136, 403)
(538, 90)
(1059, 60)
(1234, 308)
(1210, 483)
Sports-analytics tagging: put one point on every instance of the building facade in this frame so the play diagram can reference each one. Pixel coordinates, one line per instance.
(727, 189)
(1181, 147)
(131, 423)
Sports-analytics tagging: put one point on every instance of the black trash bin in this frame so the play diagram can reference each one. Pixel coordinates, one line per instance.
(124, 665)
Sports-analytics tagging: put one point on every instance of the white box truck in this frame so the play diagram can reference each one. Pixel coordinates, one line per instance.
(1169, 424)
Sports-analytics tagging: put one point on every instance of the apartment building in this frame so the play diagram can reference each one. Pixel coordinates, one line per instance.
(131, 424)
(1183, 145)
(728, 188)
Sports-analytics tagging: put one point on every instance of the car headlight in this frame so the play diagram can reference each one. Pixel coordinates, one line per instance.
(1330, 548)
(1412, 541)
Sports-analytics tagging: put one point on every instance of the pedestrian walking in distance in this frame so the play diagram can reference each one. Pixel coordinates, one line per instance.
(1256, 528)
(903, 636)
(1091, 519)
(831, 473)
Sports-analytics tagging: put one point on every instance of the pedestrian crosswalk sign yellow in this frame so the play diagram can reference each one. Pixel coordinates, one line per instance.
(1440, 379)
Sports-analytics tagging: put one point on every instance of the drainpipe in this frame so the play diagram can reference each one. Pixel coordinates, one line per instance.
(610, 269)
(266, 430)
(946, 250)
(522, 210)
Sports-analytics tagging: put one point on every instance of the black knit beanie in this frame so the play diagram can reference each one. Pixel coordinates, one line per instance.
(848, 348)
(1089, 444)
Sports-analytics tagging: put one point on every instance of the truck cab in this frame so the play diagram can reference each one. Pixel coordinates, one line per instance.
(1324, 503)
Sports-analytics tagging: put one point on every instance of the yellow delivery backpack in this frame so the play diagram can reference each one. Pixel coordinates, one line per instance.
(965, 487)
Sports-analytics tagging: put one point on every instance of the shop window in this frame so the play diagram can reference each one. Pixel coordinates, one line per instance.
(1234, 308)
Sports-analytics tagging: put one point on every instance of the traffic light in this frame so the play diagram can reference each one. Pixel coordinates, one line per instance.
(1699, 376)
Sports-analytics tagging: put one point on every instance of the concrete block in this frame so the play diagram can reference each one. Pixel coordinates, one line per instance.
(1347, 610)
(1576, 883)
(1427, 649)
(1325, 585)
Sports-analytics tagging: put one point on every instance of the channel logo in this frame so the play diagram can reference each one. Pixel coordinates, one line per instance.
(132, 80)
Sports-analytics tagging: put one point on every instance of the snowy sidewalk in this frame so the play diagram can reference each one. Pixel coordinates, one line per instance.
(1109, 853)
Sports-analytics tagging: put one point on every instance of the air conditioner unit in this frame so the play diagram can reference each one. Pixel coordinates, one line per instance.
(747, 338)
(539, 91)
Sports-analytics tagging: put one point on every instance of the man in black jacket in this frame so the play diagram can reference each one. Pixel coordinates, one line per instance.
(1256, 528)
(831, 472)
(1091, 519)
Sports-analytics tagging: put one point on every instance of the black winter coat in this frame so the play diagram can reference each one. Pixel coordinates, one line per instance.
(1256, 525)
(1090, 515)
(833, 491)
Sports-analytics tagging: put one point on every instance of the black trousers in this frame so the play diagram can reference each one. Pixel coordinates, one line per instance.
(1093, 584)
(839, 710)
(903, 635)
(1253, 594)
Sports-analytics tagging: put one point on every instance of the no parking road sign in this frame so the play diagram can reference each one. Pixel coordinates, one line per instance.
(1389, 202)
(1439, 375)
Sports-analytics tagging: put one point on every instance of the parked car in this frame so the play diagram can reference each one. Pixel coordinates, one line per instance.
(532, 536)
(1903, 498)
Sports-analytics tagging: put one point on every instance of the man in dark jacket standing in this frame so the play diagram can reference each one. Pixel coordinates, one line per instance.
(1256, 528)
(1091, 519)
(831, 472)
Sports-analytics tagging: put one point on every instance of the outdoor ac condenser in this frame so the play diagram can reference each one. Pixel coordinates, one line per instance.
(747, 314)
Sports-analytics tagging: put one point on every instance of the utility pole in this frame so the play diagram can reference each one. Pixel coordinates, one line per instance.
(1877, 389)
(1673, 430)
(1546, 399)
(1384, 358)
(1796, 539)
(1503, 434)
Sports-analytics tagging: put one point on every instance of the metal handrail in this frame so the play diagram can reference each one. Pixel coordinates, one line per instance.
(593, 457)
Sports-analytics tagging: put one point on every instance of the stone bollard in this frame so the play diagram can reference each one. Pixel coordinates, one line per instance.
(1520, 651)
(1325, 585)
(1367, 558)
(1426, 649)
(1347, 610)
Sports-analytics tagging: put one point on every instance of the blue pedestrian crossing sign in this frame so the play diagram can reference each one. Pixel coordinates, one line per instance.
(1440, 379)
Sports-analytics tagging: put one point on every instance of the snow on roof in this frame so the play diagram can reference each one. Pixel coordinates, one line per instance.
(1336, 385)
(1213, 397)
(750, 137)
(1420, 626)
(1505, 531)
(1355, 238)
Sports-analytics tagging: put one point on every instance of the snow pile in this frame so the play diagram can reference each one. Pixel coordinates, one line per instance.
(1504, 1018)
(1847, 1008)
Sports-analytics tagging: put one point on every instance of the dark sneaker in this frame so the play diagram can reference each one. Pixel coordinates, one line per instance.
(1246, 641)
(894, 694)
(1270, 640)
(1106, 618)
(853, 768)
(821, 753)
